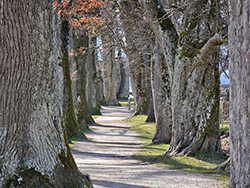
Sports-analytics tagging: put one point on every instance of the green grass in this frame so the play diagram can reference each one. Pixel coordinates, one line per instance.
(225, 127)
(95, 116)
(198, 163)
(124, 102)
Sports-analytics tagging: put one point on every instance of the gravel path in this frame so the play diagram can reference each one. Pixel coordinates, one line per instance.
(106, 158)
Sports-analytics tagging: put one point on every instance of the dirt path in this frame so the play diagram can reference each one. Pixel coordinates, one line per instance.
(106, 158)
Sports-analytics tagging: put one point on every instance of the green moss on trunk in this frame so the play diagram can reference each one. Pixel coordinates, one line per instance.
(72, 127)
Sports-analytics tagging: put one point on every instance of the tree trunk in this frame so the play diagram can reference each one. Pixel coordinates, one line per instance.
(239, 66)
(162, 66)
(72, 126)
(161, 97)
(139, 87)
(195, 100)
(91, 84)
(151, 110)
(83, 113)
(34, 150)
(109, 73)
(193, 74)
(123, 73)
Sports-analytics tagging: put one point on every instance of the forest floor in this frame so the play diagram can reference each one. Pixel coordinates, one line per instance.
(106, 157)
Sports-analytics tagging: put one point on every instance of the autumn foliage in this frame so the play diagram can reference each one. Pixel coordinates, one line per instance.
(80, 13)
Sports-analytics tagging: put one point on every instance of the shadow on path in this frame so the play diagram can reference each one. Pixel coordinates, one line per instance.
(107, 158)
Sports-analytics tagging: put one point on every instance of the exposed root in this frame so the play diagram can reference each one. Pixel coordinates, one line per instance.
(225, 166)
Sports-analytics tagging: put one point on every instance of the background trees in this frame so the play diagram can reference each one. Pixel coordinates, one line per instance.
(34, 148)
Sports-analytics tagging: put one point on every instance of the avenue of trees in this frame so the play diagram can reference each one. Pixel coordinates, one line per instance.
(60, 61)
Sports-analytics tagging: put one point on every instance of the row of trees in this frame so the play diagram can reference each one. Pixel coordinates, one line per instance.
(172, 52)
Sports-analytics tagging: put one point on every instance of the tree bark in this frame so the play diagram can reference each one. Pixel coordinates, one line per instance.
(161, 97)
(91, 84)
(72, 126)
(193, 74)
(123, 74)
(239, 66)
(83, 113)
(195, 100)
(109, 72)
(163, 59)
(34, 150)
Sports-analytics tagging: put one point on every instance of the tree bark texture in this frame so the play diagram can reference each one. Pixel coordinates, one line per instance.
(163, 58)
(34, 150)
(161, 96)
(72, 126)
(193, 74)
(239, 115)
(138, 72)
(123, 75)
(91, 84)
(195, 100)
(82, 109)
(109, 73)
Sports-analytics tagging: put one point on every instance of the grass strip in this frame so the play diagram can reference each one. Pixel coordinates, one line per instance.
(198, 163)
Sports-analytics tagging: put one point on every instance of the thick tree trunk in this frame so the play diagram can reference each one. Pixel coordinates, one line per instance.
(147, 62)
(139, 87)
(91, 82)
(123, 74)
(83, 113)
(162, 66)
(109, 74)
(193, 74)
(239, 115)
(195, 100)
(72, 126)
(161, 97)
(34, 151)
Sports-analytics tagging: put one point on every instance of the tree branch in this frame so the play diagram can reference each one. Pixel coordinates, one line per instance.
(210, 46)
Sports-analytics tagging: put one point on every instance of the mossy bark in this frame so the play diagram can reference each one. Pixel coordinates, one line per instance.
(195, 100)
(79, 79)
(34, 149)
(72, 126)
(193, 74)
(91, 76)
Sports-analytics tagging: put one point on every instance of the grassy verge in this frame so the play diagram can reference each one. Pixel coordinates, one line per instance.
(199, 163)
(225, 127)
(124, 102)
(95, 116)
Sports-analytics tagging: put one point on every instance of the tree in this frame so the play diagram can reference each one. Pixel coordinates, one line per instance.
(137, 49)
(82, 41)
(34, 149)
(91, 75)
(239, 66)
(191, 60)
(72, 126)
